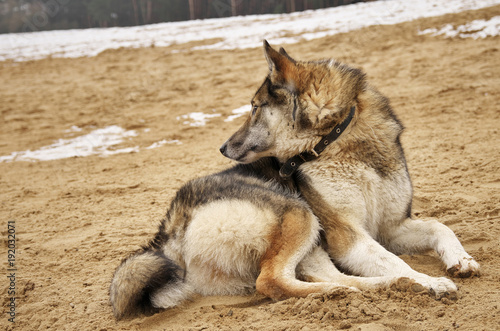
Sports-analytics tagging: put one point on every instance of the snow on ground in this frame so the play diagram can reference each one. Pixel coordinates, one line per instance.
(475, 29)
(97, 142)
(238, 113)
(164, 142)
(229, 33)
(196, 118)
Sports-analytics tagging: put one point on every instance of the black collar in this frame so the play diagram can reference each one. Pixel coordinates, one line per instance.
(292, 164)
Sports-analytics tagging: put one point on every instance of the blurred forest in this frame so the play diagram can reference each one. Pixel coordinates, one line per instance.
(39, 15)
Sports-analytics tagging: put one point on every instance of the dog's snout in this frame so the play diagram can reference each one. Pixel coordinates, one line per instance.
(222, 149)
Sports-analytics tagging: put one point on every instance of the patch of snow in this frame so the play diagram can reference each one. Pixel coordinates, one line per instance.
(196, 118)
(475, 29)
(97, 142)
(74, 128)
(163, 142)
(238, 113)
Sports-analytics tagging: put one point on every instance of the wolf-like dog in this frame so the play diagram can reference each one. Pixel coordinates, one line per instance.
(322, 178)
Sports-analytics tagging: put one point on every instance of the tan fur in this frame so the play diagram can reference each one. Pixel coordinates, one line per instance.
(286, 243)
(339, 234)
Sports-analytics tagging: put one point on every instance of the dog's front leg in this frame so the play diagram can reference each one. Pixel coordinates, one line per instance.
(318, 267)
(343, 217)
(366, 257)
(416, 236)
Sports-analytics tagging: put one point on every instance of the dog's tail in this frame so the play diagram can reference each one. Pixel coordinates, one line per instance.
(144, 281)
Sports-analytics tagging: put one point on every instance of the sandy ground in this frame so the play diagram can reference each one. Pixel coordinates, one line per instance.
(77, 218)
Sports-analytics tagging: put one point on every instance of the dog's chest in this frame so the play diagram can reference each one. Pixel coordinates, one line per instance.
(360, 195)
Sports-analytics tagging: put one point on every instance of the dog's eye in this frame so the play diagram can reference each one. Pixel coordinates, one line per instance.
(254, 109)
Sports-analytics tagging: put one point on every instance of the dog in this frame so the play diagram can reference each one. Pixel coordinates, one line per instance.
(321, 182)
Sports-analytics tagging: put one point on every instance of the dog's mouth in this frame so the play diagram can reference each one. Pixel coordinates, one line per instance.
(247, 156)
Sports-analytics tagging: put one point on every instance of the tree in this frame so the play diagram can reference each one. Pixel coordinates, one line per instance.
(100, 11)
(191, 10)
(149, 11)
(234, 12)
(136, 11)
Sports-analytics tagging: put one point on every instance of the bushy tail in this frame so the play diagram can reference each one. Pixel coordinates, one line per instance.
(144, 281)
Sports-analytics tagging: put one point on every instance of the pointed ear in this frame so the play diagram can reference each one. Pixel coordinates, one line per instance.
(284, 53)
(273, 58)
(283, 69)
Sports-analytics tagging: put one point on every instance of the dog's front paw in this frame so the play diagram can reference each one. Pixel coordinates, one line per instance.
(437, 287)
(443, 288)
(465, 268)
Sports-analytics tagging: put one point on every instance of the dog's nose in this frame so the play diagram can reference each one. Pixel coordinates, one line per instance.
(223, 149)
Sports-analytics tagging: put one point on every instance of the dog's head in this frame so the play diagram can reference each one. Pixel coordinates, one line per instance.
(298, 103)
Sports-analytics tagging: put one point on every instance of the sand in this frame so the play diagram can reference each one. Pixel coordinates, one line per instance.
(76, 218)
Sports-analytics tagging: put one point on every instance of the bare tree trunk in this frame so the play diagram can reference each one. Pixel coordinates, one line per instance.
(292, 6)
(136, 12)
(305, 4)
(191, 9)
(144, 11)
(233, 8)
(149, 11)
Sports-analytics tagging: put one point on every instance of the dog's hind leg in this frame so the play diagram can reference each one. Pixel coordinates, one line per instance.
(290, 242)
(416, 236)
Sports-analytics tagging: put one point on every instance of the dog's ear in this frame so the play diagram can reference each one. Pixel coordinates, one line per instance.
(275, 60)
(283, 69)
(284, 53)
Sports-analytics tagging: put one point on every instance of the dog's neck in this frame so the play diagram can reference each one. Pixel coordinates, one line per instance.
(292, 164)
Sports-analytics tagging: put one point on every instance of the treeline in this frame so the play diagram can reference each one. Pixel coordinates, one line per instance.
(38, 15)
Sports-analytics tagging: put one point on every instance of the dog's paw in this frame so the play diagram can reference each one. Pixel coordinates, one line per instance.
(440, 287)
(334, 290)
(443, 288)
(465, 268)
(436, 287)
(405, 284)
